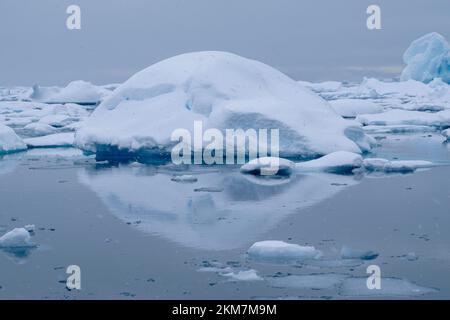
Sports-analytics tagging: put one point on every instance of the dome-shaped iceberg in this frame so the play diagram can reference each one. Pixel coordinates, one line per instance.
(223, 91)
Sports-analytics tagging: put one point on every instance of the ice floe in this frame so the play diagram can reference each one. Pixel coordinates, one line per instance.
(79, 91)
(402, 117)
(275, 250)
(350, 108)
(390, 287)
(244, 275)
(337, 162)
(184, 178)
(10, 141)
(309, 281)
(400, 166)
(269, 166)
(16, 238)
(427, 58)
(39, 129)
(64, 139)
(224, 91)
(350, 253)
(446, 134)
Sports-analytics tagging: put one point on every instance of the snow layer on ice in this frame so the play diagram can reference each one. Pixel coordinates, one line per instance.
(282, 251)
(64, 139)
(223, 91)
(9, 141)
(427, 58)
(339, 162)
(397, 129)
(16, 238)
(350, 108)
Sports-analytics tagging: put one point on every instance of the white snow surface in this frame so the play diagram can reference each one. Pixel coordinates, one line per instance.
(268, 166)
(340, 161)
(350, 108)
(427, 58)
(9, 140)
(16, 238)
(282, 251)
(224, 91)
(64, 139)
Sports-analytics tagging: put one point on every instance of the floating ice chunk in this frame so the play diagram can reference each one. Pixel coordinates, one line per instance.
(16, 238)
(56, 120)
(268, 166)
(63, 153)
(390, 287)
(10, 141)
(337, 162)
(427, 58)
(349, 253)
(402, 117)
(401, 166)
(30, 228)
(64, 139)
(76, 92)
(38, 128)
(222, 90)
(350, 108)
(281, 251)
(184, 178)
(246, 275)
(397, 129)
(446, 134)
(313, 281)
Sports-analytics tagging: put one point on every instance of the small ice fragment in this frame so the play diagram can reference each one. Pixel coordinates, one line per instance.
(16, 238)
(446, 134)
(281, 251)
(349, 253)
(313, 281)
(268, 166)
(30, 227)
(246, 275)
(184, 178)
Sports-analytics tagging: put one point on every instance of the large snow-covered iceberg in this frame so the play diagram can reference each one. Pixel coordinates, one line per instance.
(224, 91)
(427, 58)
(9, 141)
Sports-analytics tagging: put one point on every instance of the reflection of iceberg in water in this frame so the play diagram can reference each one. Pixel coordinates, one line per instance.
(243, 209)
(9, 162)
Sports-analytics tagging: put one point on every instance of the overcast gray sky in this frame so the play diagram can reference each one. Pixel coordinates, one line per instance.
(308, 40)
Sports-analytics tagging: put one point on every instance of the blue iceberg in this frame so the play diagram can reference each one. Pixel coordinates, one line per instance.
(427, 58)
